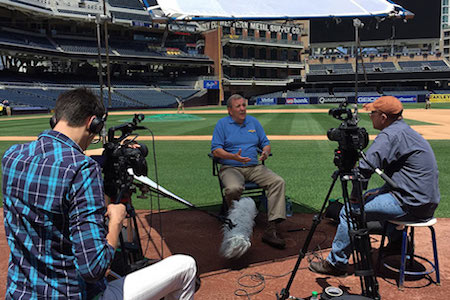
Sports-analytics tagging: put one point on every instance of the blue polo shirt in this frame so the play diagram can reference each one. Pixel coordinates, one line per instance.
(231, 136)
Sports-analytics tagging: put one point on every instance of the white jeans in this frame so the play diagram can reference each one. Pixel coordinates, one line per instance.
(172, 278)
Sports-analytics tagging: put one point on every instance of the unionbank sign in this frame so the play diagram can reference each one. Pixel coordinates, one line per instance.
(440, 98)
(303, 100)
(211, 84)
(266, 101)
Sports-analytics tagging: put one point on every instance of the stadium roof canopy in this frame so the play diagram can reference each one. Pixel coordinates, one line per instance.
(203, 10)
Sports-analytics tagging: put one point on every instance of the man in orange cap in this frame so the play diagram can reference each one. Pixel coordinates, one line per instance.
(407, 158)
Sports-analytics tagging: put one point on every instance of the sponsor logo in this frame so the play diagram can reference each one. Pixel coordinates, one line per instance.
(406, 98)
(367, 99)
(266, 101)
(323, 100)
(211, 84)
(302, 100)
(252, 130)
(402, 98)
(440, 98)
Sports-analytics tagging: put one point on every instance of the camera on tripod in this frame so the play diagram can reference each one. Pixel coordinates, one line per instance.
(350, 137)
(348, 134)
(121, 155)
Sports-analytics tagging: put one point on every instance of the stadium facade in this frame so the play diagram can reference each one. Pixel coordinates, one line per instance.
(252, 58)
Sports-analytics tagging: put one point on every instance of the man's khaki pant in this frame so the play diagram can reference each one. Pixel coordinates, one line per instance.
(233, 179)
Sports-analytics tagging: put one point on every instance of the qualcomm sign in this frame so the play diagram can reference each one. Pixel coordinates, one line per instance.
(211, 84)
(323, 100)
(303, 100)
(266, 101)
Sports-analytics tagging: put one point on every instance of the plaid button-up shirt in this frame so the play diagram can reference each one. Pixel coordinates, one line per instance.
(54, 220)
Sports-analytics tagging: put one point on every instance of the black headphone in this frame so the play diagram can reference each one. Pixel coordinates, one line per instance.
(95, 127)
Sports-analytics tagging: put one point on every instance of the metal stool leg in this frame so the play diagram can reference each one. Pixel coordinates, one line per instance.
(436, 260)
(381, 249)
(401, 278)
(410, 252)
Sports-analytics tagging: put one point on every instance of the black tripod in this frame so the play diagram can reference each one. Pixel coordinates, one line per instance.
(359, 235)
(130, 256)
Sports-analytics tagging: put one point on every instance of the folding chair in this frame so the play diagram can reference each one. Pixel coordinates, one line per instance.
(251, 189)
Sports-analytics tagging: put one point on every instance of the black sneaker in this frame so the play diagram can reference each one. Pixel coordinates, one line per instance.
(325, 267)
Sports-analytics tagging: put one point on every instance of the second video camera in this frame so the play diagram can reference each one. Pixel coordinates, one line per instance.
(348, 134)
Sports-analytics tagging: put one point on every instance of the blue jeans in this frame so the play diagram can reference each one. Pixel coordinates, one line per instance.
(378, 207)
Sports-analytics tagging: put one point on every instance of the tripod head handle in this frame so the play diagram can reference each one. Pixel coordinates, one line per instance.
(379, 172)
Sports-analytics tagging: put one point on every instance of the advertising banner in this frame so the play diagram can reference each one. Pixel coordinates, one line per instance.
(302, 100)
(367, 99)
(211, 84)
(331, 99)
(266, 101)
(407, 98)
(402, 98)
(440, 98)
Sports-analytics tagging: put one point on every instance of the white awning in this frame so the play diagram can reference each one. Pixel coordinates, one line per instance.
(274, 9)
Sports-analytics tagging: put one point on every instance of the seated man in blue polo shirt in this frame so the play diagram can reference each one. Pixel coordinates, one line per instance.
(236, 140)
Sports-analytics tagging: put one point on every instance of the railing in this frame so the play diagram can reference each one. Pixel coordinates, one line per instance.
(261, 40)
(256, 79)
(255, 60)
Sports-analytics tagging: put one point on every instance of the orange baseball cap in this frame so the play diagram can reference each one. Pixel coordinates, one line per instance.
(389, 105)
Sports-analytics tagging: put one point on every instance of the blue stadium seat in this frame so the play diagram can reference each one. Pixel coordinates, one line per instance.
(25, 39)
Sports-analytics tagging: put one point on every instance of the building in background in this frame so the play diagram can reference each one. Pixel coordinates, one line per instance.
(50, 42)
(445, 29)
(252, 58)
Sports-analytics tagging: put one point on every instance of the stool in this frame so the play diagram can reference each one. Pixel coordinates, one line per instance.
(410, 255)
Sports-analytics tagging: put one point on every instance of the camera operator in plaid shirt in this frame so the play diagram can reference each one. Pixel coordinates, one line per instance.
(54, 210)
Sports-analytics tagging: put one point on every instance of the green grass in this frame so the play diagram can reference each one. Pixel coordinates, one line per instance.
(184, 168)
(306, 166)
(274, 124)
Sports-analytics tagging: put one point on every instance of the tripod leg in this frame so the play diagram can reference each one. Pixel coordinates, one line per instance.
(140, 254)
(316, 221)
(359, 237)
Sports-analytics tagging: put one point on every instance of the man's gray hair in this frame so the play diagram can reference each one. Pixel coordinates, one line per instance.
(234, 97)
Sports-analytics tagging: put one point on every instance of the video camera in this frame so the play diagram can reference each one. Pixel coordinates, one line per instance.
(120, 155)
(350, 137)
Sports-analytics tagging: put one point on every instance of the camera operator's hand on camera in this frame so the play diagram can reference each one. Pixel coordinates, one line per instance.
(131, 144)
